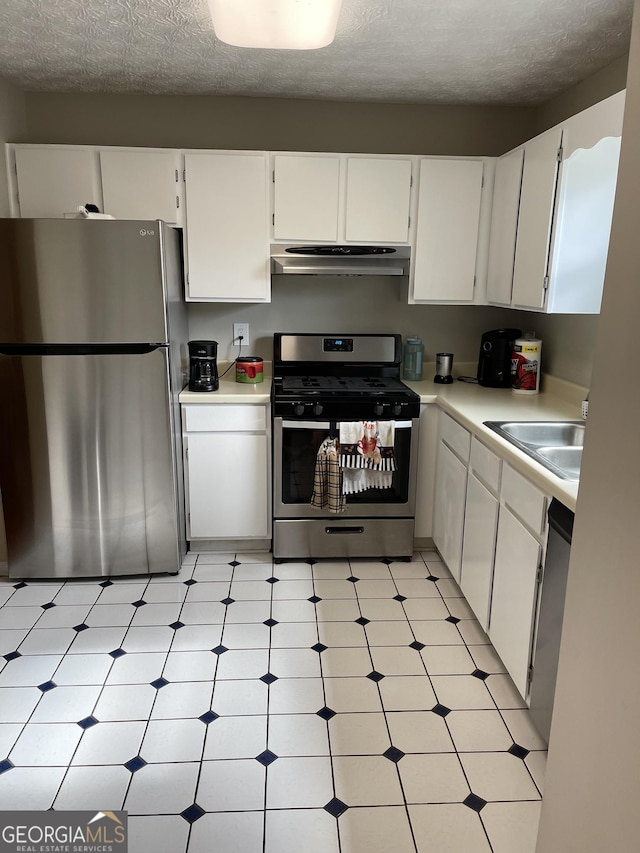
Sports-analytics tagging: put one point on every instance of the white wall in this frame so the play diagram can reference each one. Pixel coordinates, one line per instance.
(593, 777)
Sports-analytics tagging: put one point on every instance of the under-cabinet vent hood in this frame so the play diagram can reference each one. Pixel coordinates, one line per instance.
(339, 260)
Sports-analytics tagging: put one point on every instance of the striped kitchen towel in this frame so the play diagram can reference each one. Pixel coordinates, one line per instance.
(368, 445)
(327, 480)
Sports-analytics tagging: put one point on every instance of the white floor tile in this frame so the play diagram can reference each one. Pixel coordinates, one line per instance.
(45, 745)
(434, 778)
(478, 731)
(205, 558)
(293, 589)
(242, 663)
(122, 702)
(233, 832)
(193, 638)
(34, 595)
(17, 703)
(350, 661)
(246, 636)
(253, 571)
(293, 571)
(165, 593)
(448, 660)
(110, 615)
(110, 743)
(380, 609)
(522, 729)
(498, 776)
(425, 608)
(34, 785)
(182, 700)
(246, 612)
(486, 658)
(459, 608)
(231, 785)
(512, 826)
(84, 788)
(140, 668)
(341, 634)
(298, 734)
(29, 670)
(173, 740)
(66, 704)
(448, 587)
(190, 666)
(299, 783)
(237, 698)
(437, 633)
(407, 693)
(462, 692)
(97, 640)
(336, 610)
(331, 570)
(123, 592)
(419, 731)
(148, 639)
(236, 737)
(19, 617)
(335, 589)
(83, 669)
(162, 789)
(375, 830)
(371, 570)
(250, 590)
(72, 593)
(295, 663)
(409, 571)
(207, 591)
(376, 588)
(156, 614)
(47, 641)
(351, 694)
(213, 572)
(286, 827)
(203, 613)
(472, 633)
(10, 639)
(397, 661)
(9, 734)
(389, 633)
(537, 764)
(253, 557)
(294, 610)
(448, 828)
(503, 690)
(358, 734)
(417, 588)
(158, 832)
(366, 780)
(290, 635)
(295, 696)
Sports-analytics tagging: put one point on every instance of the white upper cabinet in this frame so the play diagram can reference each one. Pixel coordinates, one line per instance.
(141, 184)
(504, 224)
(54, 180)
(340, 198)
(306, 196)
(377, 205)
(227, 232)
(447, 259)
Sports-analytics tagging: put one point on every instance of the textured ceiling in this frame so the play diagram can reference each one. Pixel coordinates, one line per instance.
(412, 51)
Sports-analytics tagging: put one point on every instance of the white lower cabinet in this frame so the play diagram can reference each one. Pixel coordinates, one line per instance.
(227, 471)
(480, 520)
(450, 492)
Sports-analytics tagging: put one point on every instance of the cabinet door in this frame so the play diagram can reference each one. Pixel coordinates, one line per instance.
(227, 485)
(378, 194)
(140, 184)
(306, 195)
(480, 520)
(55, 181)
(227, 232)
(539, 179)
(504, 224)
(447, 230)
(514, 596)
(448, 517)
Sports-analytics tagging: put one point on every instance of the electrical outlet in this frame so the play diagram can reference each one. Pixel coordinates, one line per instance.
(241, 329)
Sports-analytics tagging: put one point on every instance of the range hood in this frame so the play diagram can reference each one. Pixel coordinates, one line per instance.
(339, 260)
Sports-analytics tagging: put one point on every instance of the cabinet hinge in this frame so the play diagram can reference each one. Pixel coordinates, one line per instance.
(184, 175)
(273, 176)
(545, 283)
(559, 155)
(178, 202)
(474, 281)
(177, 176)
(539, 573)
(409, 222)
(411, 181)
(529, 677)
(482, 181)
(273, 219)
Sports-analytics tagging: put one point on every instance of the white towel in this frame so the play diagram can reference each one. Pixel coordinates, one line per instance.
(356, 480)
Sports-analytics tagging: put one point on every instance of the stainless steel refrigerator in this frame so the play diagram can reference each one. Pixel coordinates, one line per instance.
(92, 359)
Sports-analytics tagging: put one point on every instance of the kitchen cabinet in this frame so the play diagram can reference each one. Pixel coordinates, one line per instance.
(141, 184)
(480, 523)
(227, 232)
(427, 452)
(557, 219)
(338, 198)
(450, 491)
(54, 180)
(450, 244)
(517, 573)
(227, 468)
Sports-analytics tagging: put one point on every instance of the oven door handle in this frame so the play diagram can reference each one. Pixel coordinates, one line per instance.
(328, 425)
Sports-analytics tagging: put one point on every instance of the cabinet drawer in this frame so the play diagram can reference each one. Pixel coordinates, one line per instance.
(225, 418)
(485, 465)
(524, 499)
(456, 436)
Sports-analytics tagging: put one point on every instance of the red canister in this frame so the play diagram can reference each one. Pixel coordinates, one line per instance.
(249, 369)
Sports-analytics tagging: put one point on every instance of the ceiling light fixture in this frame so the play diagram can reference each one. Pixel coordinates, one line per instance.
(276, 24)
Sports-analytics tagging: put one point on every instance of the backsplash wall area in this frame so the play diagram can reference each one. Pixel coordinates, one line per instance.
(361, 304)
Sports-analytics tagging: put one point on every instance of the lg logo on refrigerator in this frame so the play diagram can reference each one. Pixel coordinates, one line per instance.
(147, 232)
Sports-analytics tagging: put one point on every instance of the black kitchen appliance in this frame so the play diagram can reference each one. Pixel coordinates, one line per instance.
(320, 382)
(203, 366)
(494, 361)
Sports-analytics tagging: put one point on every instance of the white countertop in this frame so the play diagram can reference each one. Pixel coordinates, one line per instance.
(230, 391)
(472, 404)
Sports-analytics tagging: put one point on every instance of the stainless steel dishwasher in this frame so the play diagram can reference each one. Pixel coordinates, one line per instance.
(552, 597)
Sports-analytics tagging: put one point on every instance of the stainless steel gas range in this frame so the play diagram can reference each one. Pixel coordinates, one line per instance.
(345, 431)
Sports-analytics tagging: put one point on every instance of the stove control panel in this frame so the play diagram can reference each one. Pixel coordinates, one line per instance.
(341, 411)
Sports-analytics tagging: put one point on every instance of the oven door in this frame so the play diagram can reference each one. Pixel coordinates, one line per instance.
(296, 445)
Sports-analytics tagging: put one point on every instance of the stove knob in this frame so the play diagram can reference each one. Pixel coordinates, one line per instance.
(298, 408)
(378, 409)
(318, 409)
(397, 409)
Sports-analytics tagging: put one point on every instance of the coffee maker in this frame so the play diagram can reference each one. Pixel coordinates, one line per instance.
(203, 367)
(494, 361)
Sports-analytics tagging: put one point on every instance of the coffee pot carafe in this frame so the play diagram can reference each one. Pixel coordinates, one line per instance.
(203, 366)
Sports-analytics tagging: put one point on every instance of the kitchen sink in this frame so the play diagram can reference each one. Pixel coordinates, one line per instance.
(555, 444)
